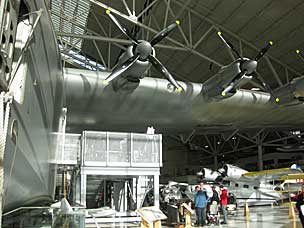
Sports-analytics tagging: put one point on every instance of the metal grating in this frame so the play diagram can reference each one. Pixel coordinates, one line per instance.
(72, 10)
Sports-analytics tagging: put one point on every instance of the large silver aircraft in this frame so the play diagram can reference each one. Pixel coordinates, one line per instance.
(96, 101)
(31, 103)
(32, 80)
(200, 106)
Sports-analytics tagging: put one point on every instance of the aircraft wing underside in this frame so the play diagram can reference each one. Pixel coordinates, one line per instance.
(95, 106)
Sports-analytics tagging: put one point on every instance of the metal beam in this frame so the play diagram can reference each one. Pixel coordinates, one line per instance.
(203, 37)
(146, 9)
(287, 75)
(154, 31)
(99, 53)
(207, 19)
(247, 138)
(210, 145)
(190, 29)
(99, 24)
(78, 59)
(166, 14)
(179, 13)
(240, 149)
(127, 7)
(179, 27)
(273, 71)
(109, 47)
(241, 47)
(281, 139)
(115, 40)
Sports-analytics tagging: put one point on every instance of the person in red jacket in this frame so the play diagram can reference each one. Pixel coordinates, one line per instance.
(224, 202)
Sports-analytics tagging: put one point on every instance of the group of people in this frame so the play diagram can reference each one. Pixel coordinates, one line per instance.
(204, 198)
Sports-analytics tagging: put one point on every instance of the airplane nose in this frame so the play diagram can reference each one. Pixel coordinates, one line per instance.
(249, 66)
(144, 49)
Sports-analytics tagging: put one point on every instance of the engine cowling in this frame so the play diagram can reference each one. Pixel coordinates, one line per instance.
(291, 93)
(138, 70)
(210, 175)
(232, 172)
(230, 77)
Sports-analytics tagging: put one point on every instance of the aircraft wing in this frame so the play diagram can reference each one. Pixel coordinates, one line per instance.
(292, 176)
(93, 105)
(272, 174)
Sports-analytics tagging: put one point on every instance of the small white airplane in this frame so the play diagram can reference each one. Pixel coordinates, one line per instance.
(255, 188)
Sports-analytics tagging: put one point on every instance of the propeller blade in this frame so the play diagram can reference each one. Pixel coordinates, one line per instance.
(163, 33)
(263, 51)
(162, 69)
(121, 28)
(260, 80)
(119, 70)
(235, 81)
(229, 45)
(300, 54)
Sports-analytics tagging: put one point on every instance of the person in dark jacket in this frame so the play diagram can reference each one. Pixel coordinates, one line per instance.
(200, 205)
(215, 196)
(300, 202)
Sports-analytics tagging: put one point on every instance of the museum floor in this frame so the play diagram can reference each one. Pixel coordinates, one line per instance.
(260, 217)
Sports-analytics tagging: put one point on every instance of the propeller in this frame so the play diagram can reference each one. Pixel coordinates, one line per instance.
(118, 71)
(300, 54)
(143, 51)
(247, 67)
(229, 45)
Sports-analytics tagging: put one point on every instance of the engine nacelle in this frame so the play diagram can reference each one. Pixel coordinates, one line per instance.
(292, 93)
(214, 86)
(138, 70)
(232, 172)
(210, 175)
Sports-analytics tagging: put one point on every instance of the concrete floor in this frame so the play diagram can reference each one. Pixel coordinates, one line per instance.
(260, 217)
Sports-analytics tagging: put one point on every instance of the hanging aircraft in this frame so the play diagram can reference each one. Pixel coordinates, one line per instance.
(215, 105)
(255, 188)
(125, 100)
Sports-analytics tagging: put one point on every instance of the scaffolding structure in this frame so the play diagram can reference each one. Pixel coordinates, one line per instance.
(112, 169)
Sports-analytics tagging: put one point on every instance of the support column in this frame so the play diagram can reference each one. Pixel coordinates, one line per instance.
(215, 164)
(83, 190)
(125, 207)
(138, 192)
(76, 194)
(260, 156)
(275, 162)
(156, 190)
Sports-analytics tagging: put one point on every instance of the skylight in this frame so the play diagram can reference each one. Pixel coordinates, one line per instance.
(70, 16)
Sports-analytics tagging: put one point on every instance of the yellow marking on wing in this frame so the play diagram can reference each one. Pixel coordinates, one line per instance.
(265, 172)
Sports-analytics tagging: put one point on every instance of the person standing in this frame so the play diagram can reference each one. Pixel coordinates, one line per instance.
(200, 203)
(224, 202)
(300, 205)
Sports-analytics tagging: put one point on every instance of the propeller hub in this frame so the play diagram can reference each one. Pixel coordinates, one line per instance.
(249, 66)
(143, 49)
